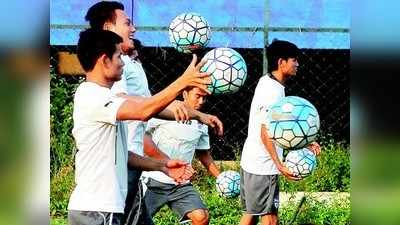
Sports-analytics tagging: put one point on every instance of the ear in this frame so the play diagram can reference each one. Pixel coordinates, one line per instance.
(107, 26)
(281, 62)
(184, 94)
(104, 60)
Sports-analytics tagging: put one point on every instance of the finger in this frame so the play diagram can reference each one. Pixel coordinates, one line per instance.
(203, 88)
(192, 170)
(201, 64)
(203, 80)
(185, 113)
(203, 74)
(220, 127)
(194, 60)
(180, 114)
(176, 115)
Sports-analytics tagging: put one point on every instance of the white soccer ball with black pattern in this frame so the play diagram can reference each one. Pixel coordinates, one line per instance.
(228, 183)
(293, 122)
(227, 68)
(301, 162)
(188, 32)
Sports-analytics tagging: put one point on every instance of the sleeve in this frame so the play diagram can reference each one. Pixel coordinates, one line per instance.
(106, 111)
(265, 96)
(204, 140)
(152, 124)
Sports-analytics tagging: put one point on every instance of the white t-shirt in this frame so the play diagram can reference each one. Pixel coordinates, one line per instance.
(255, 157)
(178, 141)
(101, 160)
(133, 82)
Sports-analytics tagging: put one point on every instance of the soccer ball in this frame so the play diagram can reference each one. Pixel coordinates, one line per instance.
(189, 31)
(301, 162)
(228, 183)
(227, 68)
(293, 122)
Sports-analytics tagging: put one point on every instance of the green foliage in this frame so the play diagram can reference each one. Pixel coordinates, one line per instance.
(62, 145)
(58, 221)
(228, 210)
(317, 212)
(332, 173)
(61, 184)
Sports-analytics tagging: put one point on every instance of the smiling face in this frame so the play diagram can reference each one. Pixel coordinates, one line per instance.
(123, 27)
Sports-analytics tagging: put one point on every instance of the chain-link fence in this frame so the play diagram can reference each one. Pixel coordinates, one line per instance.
(323, 79)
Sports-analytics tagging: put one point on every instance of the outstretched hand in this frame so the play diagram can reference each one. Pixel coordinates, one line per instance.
(213, 122)
(287, 173)
(192, 77)
(179, 170)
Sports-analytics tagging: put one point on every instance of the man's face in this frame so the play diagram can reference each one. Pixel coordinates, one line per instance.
(113, 67)
(289, 66)
(195, 98)
(123, 27)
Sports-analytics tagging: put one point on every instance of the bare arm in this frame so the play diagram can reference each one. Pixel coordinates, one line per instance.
(151, 149)
(270, 147)
(143, 108)
(180, 171)
(208, 162)
(136, 161)
(179, 111)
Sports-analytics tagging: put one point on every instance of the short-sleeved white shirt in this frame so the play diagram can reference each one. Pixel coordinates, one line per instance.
(255, 157)
(101, 159)
(133, 82)
(178, 141)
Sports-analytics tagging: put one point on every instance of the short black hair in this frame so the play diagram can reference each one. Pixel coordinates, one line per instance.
(102, 12)
(280, 49)
(93, 43)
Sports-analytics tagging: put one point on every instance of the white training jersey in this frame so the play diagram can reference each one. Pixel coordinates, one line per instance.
(178, 141)
(101, 159)
(255, 157)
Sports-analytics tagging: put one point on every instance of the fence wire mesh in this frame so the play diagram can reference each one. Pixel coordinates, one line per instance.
(322, 78)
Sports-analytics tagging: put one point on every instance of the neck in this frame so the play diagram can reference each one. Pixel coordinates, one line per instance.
(279, 76)
(94, 78)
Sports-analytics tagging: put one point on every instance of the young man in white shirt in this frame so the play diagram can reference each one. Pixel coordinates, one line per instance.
(261, 160)
(100, 136)
(110, 15)
(180, 141)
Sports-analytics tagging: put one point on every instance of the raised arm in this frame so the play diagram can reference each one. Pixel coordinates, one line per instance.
(143, 108)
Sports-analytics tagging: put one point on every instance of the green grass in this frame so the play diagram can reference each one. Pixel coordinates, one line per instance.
(332, 174)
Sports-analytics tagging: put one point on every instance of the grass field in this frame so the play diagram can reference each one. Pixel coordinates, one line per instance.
(332, 175)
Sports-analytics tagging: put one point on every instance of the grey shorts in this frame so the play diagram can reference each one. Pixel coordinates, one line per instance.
(182, 199)
(76, 217)
(259, 194)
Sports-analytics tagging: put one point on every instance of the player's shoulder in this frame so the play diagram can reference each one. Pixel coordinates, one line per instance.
(90, 88)
(268, 85)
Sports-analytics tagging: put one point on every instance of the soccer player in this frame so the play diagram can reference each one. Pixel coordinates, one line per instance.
(100, 135)
(110, 15)
(261, 160)
(180, 141)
